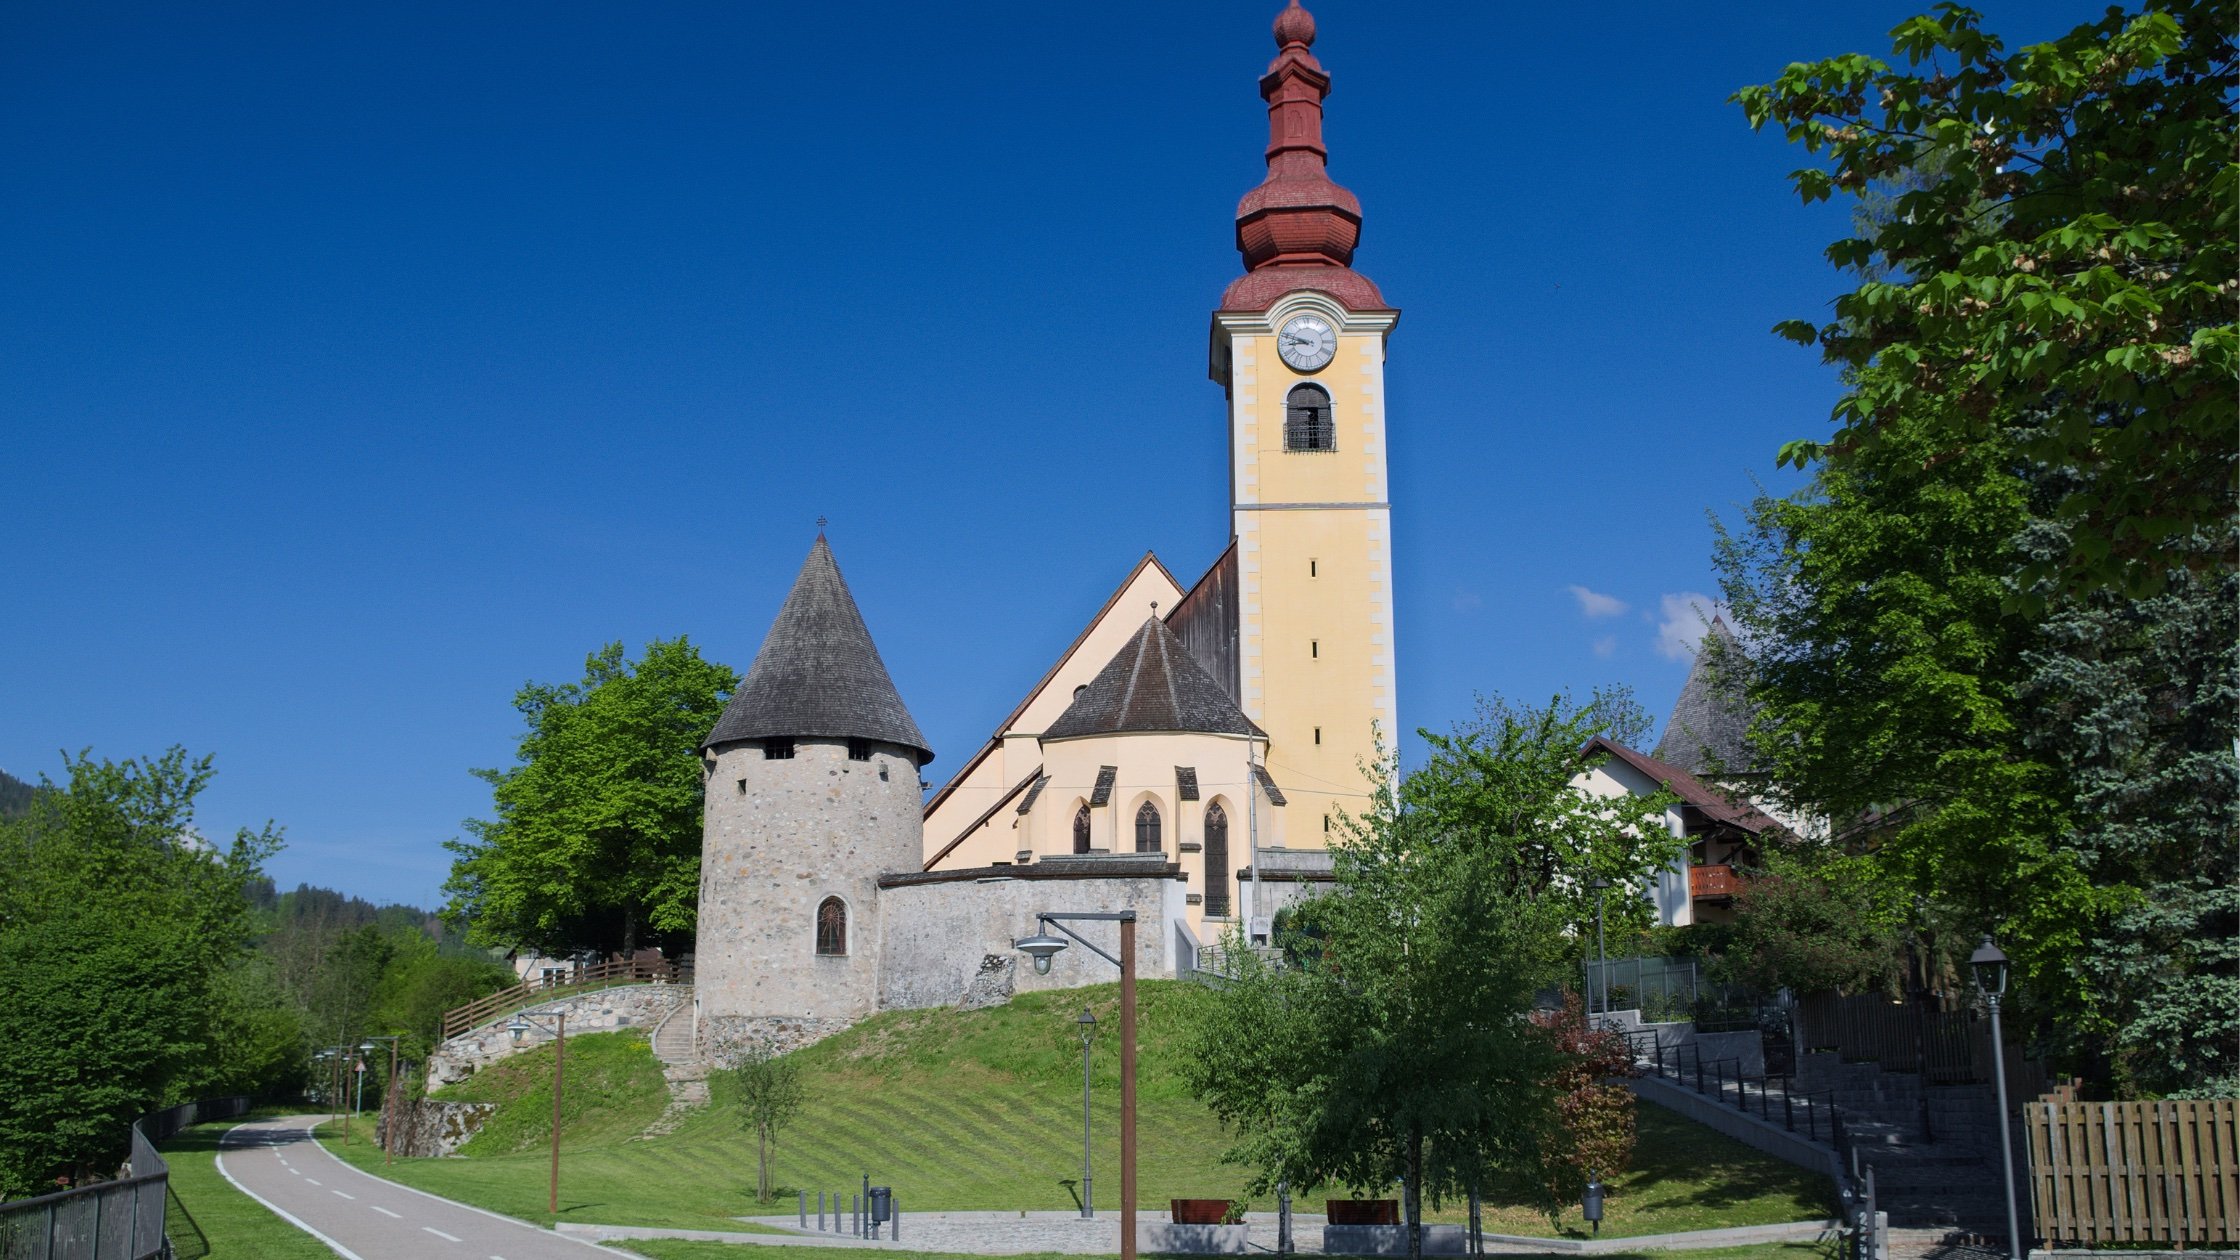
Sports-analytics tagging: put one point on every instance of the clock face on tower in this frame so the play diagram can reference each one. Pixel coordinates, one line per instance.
(1307, 342)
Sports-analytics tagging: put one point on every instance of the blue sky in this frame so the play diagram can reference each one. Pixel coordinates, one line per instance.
(361, 362)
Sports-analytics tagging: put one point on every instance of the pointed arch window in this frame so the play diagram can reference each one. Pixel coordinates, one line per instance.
(832, 927)
(1217, 861)
(1147, 829)
(1307, 425)
(1081, 830)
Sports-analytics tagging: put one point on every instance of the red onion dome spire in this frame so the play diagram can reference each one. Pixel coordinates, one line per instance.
(1297, 229)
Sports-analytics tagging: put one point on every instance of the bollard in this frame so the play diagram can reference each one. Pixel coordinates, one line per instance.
(855, 1215)
(894, 1228)
(820, 1211)
(804, 1208)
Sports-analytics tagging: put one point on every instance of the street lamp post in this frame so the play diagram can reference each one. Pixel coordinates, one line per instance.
(1042, 947)
(388, 1097)
(1601, 957)
(522, 1022)
(1990, 966)
(1088, 1026)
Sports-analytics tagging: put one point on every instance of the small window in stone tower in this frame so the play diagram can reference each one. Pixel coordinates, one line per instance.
(1307, 425)
(777, 750)
(832, 927)
(1081, 830)
(1147, 829)
(859, 750)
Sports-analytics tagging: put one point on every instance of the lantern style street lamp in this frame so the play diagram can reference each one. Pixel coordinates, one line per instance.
(523, 1021)
(1044, 946)
(1088, 1027)
(1990, 966)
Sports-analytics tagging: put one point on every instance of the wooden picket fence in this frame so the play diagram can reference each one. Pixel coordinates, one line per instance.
(579, 978)
(2134, 1172)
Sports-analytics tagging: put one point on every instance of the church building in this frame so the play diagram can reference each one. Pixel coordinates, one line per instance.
(1193, 749)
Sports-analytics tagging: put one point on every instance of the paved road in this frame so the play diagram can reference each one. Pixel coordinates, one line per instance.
(365, 1218)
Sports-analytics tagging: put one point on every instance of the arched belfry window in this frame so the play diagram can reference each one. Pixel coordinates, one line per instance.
(1307, 425)
(1147, 829)
(1081, 830)
(832, 927)
(1217, 861)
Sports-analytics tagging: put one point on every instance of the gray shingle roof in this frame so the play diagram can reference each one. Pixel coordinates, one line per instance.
(1152, 684)
(1708, 732)
(818, 673)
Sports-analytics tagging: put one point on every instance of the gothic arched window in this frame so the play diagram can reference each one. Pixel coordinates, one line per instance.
(832, 927)
(1081, 830)
(1147, 829)
(1217, 861)
(1307, 425)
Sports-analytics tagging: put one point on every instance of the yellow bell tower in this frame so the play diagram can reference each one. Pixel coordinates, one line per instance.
(1299, 346)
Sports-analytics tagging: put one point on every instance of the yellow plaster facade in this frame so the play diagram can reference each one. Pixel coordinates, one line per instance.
(1314, 556)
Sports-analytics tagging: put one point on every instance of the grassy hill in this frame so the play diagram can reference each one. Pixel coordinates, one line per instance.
(972, 1109)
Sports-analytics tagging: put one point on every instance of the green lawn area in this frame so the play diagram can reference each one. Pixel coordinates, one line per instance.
(971, 1110)
(210, 1220)
(662, 1249)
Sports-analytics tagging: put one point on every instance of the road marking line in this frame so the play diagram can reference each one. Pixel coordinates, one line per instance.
(312, 1180)
(385, 1212)
(282, 1213)
(440, 1234)
(340, 1195)
(502, 1219)
(299, 1174)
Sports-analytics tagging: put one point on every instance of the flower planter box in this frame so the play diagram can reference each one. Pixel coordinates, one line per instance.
(1197, 1211)
(1362, 1211)
(1391, 1240)
(1158, 1237)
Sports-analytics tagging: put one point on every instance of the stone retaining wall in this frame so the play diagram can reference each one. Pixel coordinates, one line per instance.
(428, 1128)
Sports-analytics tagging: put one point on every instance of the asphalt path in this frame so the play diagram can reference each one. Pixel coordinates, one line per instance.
(363, 1217)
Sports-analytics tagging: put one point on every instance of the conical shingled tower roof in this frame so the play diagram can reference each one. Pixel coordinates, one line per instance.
(818, 673)
(1708, 732)
(1152, 684)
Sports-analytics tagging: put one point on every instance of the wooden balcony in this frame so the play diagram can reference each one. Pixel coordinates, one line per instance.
(1713, 883)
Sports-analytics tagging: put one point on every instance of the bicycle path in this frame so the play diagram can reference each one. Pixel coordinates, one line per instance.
(363, 1217)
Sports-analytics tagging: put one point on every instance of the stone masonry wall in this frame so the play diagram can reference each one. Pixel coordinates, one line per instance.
(626, 1006)
(779, 836)
(427, 1128)
(939, 936)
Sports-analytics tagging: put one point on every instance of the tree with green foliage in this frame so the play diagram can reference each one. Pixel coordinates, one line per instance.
(1398, 1047)
(1995, 640)
(770, 1095)
(596, 843)
(123, 931)
(1810, 919)
(2056, 279)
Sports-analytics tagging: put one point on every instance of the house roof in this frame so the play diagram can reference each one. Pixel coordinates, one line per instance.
(818, 673)
(1151, 684)
(1708, 732)
(1714, 804)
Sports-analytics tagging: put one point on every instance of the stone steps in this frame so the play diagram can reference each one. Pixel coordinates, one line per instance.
(681, 1066)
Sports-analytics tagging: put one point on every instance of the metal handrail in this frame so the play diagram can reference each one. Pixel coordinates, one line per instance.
(77, 1223)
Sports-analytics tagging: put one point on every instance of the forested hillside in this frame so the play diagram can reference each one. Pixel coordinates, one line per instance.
(15, 795)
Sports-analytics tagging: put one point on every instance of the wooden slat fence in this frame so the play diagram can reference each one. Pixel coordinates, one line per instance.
(2135, 1172)
(580, 977)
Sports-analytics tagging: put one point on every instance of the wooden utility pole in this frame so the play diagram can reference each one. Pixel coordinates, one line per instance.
(1128, 1088)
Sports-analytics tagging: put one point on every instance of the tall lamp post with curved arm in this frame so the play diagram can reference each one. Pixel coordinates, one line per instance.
(519, 1028)
(1989, 963)
(1044, 946)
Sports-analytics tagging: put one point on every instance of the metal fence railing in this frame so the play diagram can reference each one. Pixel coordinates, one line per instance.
(110, 1220)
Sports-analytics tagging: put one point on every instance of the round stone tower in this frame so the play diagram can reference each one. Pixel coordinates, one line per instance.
(812, 794)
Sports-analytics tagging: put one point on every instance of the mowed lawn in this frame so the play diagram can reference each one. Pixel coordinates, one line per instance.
(970, 1110)
(208, 1219)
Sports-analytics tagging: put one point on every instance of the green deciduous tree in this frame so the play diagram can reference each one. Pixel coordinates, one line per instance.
(2055, 277)
(596, 843)
(121, 932)
(770, 1095)
(1398, 1046)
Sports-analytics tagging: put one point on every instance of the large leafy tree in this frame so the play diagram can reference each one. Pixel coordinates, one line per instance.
(1994, 641)
(596, 843)
(2056, 273)
(122, 932)
(1398, 1047)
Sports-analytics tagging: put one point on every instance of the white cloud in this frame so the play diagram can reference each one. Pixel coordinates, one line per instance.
(1606, 646)
(1687, 615)
(1595, 604)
